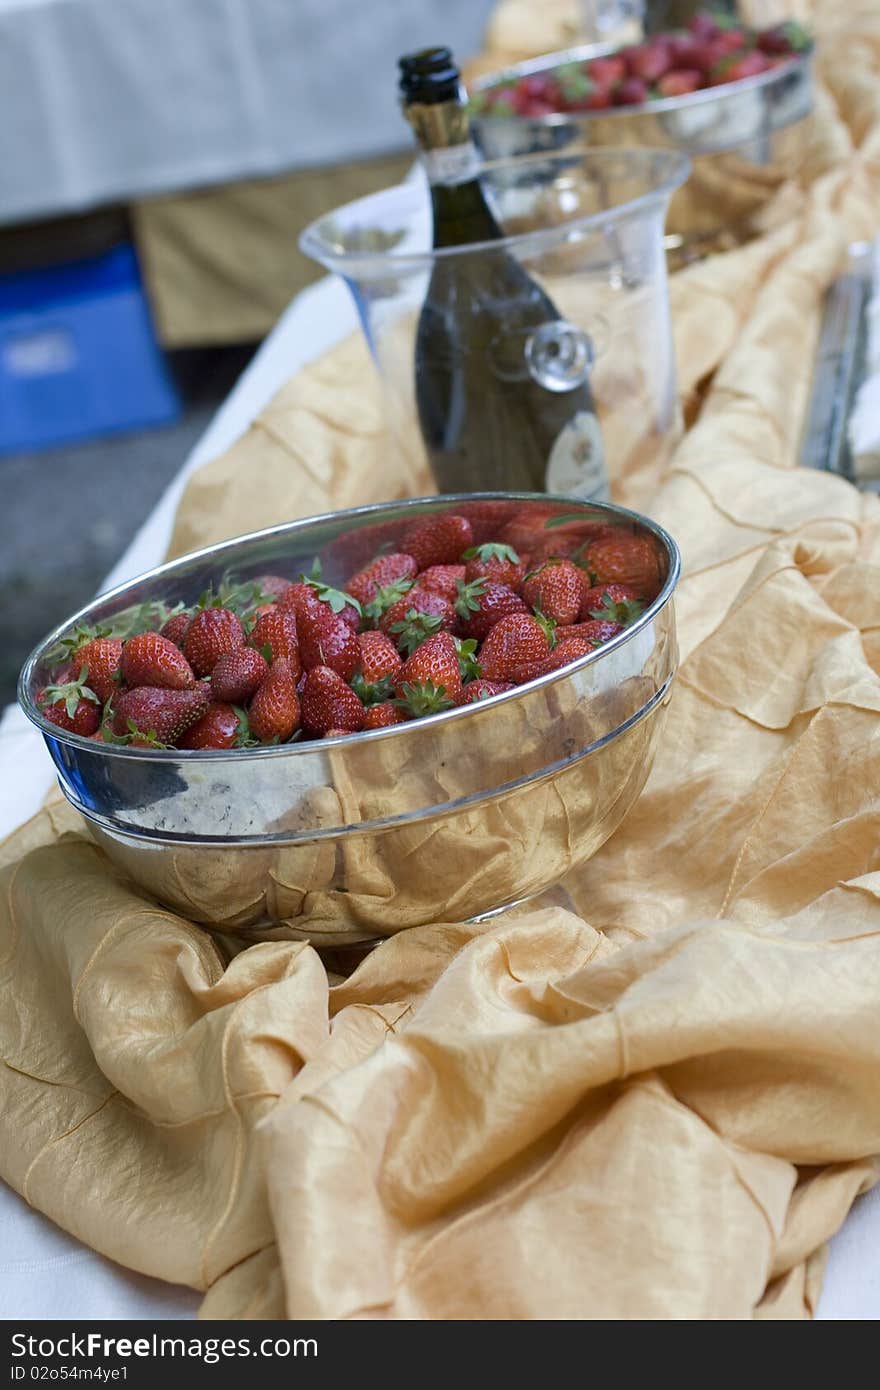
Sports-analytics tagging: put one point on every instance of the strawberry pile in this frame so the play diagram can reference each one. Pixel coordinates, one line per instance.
(711, 52)
(464, 608)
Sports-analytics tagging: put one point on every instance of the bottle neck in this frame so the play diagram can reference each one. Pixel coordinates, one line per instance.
(451, 162)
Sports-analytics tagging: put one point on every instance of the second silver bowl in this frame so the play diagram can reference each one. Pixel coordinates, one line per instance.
(744, 139)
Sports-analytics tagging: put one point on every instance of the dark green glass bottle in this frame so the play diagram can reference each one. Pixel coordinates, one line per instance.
(502, 403)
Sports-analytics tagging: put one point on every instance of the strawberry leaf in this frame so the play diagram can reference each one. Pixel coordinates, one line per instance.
(372, 692)
(337, 598)
(469, 596)
(548, 626)
(385, 597)
(797, 36)
(415, 628)
(492, 550)
(71, 692)
(624, 612)
(244, 738)
(423, 697)
(467, 660)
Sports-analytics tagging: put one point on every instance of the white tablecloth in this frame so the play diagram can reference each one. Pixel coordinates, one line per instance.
(109, 100)
(35, 1256)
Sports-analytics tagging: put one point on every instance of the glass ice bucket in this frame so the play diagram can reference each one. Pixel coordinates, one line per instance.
(587, 228)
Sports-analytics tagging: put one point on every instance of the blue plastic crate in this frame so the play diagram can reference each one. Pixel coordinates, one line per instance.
(78, 355)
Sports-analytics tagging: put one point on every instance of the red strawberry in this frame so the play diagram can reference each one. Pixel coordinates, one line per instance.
(497, 562)
(383, 716)
(165, 714)
(618, 603)
(731, 40)
(647, 61)
(176, 628)
(707, 55)
(302, 595)
(571, 649)
(274, 711)
(682, 48)
(556, 590)
(294, 594)
(328, 703)
(221, 727)
(513, 642)
(151, 659)
(385, 570)
(325, 638)
(212, 633)
(784, 38)
(703, 25)
(430, 679)
(379, 657)
(438, 541)
(680, 82)
(343, 604)
(416, 616)
(607, 72)
(100, 657)
(273, 584)
(338, 733)
(481, 689)
(596, 631)
(443, 580)
(631, 92)
(482, 604)
(624, 558)
(277, 631)
(238, 674)
(72, 705)
(750, 65)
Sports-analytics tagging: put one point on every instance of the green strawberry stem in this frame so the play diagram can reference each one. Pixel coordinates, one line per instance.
(469, 597)
(242, 597)
(372, 692)
(415, 629)
(71, 692)
(548, 626)
(139, 617)
(467, 659)
(423, 697)
(244, 738)
(151, 737)
(337, 598)
(624, 612)
(492, 550)
(385, 597)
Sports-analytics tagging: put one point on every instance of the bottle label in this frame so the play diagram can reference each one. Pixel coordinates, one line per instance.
(577, 460)
(451, 164)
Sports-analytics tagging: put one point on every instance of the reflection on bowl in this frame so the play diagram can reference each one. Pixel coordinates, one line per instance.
(345, 839)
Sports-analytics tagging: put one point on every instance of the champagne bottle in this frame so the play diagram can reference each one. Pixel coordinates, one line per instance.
(502, 405)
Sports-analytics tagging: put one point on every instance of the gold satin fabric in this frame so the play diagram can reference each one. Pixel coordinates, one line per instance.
(658, 1106)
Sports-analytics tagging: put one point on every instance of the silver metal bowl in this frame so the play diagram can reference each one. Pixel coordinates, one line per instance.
(744, 139)
(345, 839)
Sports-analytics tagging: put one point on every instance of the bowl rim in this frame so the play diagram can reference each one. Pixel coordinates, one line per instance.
(310, 746)
(703, 96)
(360, 264)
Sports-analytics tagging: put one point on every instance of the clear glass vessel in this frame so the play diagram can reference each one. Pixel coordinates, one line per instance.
(587, 228)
